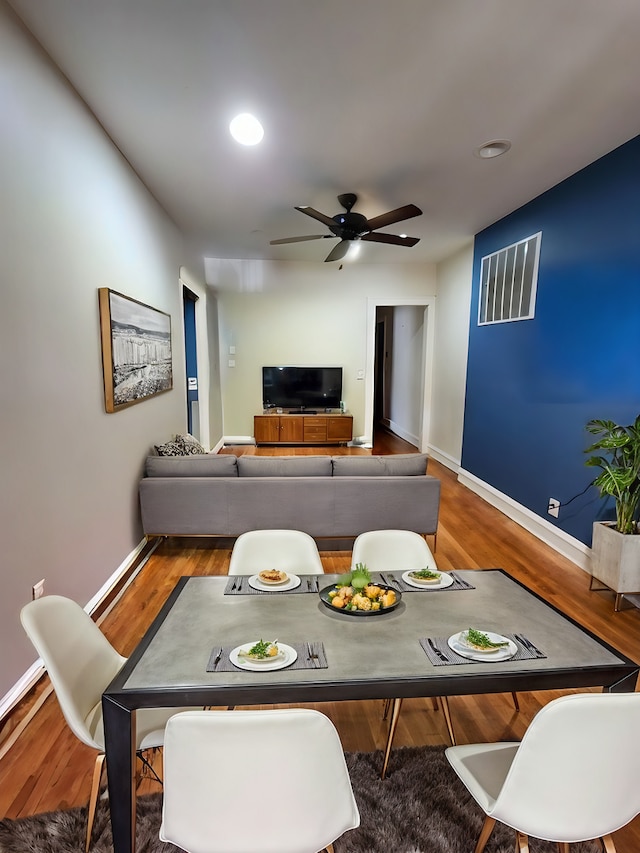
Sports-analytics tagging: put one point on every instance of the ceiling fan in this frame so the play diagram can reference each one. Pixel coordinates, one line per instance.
(354, 226)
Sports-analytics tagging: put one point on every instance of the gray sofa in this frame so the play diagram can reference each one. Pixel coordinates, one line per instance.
(326, 496)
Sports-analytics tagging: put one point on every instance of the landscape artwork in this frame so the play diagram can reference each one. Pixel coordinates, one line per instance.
(136, 350)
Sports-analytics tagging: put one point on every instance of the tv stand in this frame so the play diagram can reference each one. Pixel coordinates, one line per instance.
(306, 427)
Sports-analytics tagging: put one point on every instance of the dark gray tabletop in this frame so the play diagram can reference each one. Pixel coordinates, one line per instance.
(381, 648)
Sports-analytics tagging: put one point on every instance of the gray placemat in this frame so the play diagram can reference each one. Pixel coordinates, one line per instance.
(310, 656)
(438, 651)
(239, 585)
(394, 579)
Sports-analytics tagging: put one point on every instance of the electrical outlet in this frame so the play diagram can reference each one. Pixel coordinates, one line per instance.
(38, 589)
(553, 507)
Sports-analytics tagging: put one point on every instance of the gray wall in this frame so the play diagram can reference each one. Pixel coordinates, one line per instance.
(73, 218)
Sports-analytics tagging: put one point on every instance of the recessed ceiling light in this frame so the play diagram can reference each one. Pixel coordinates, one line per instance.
(246, 129)
(493, 149)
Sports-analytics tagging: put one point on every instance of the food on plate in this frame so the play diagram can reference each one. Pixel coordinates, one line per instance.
(272, 576)
(261, 651)
(425, 575)
(369, 598)
(479, 640)
(358, 577)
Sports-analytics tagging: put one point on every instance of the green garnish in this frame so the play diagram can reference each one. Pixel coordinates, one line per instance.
(358, 578)
(477, 638)
(425, 574)
(260, 650)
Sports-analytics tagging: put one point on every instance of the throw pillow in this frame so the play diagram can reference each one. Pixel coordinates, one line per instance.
(190, 444)
(170, 448)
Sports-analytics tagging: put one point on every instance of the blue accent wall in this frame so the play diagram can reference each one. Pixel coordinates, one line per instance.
(532, 385)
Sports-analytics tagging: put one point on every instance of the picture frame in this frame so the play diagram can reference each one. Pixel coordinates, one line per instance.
(136, 350)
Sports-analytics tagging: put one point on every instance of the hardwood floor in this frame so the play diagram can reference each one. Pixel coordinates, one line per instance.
(47, 768)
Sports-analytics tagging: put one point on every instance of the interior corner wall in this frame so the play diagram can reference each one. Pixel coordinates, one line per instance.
(532, 385)
(301, 314)
(407, 373)
(451, 330)
(73, 218)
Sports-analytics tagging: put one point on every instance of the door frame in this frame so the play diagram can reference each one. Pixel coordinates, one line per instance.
(429, 305)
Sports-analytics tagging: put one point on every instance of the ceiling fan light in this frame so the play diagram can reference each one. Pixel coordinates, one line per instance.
(246, 129)
(493, 149)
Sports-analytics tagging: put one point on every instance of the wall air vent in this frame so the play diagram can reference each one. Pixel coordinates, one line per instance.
(508, 281)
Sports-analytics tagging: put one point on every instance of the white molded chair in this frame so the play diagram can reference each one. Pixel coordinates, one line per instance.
(81, 663)
(393, 550)
(287, 550)
(272, 781)
(575, 776)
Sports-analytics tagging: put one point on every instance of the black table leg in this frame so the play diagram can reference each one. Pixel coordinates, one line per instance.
(119, 730)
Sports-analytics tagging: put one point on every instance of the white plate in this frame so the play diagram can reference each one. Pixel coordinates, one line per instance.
(445, 580)
(456, 643)
(286, 657)
(291, 583)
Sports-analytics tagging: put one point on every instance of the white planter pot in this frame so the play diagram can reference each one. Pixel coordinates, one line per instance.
(615, 558)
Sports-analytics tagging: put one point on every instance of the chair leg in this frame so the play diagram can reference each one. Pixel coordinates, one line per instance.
(329, 848)
(522, 842)
(93, 797)
(563, 846)
(516, 704)
(447, 717)
(607, 842)
(487, 829)
(386, 708)
(396, 705)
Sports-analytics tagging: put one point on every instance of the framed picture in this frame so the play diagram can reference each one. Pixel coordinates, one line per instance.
(136, 350)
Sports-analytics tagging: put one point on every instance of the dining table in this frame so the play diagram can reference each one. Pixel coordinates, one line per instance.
(192, 654)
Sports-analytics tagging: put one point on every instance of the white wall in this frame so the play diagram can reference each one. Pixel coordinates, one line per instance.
(300, 313)
(407, 373)
(73, 218)
(450, 363)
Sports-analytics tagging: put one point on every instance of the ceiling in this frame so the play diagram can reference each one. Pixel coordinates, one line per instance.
(384, 98)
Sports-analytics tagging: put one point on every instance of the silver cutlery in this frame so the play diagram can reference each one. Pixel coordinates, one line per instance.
(312, 656)
(529, 645)
(308, 584)
(239, 587)
(233, 585)
(217, 658)
(437, 651)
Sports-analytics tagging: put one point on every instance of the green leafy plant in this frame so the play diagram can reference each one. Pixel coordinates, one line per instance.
(619, 462)
(358, 578)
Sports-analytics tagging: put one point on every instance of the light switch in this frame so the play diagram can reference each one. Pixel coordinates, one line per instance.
(232, 350)
(232, 362)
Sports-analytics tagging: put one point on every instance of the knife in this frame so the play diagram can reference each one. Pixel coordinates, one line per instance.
(529, 645)
(437, 651)
(217, 658)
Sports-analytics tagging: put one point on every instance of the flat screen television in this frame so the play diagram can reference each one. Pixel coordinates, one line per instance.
(315, 388)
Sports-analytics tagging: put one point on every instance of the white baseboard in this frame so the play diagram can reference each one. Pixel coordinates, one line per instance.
(444, 458)
(236, 439)
(403, 433)
(542, 529)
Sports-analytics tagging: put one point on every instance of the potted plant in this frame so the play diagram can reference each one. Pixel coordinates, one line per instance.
(615, 558)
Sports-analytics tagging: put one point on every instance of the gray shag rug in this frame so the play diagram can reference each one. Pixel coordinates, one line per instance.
(421, 807)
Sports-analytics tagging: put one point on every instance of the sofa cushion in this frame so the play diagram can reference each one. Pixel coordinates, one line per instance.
(284, 466)
(401, 465)
(206, 465)
(170, 448)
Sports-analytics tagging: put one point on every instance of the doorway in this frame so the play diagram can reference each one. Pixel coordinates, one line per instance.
(417, 366)
(189, 300)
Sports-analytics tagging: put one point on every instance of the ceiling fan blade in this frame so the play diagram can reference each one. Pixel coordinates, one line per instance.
(397, 215)
(321, 217)
(338, 251)
(393, 239)
(298, 239)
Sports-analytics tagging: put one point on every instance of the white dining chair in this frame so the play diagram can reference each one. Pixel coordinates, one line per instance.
(287, 550)
(575, 776)
(270, 781)
(395, 550)
(81, 663)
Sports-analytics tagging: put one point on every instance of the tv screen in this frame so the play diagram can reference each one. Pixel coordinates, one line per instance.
(302, 387)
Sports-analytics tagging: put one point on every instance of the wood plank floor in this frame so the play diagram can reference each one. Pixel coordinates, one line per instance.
(46, 768)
